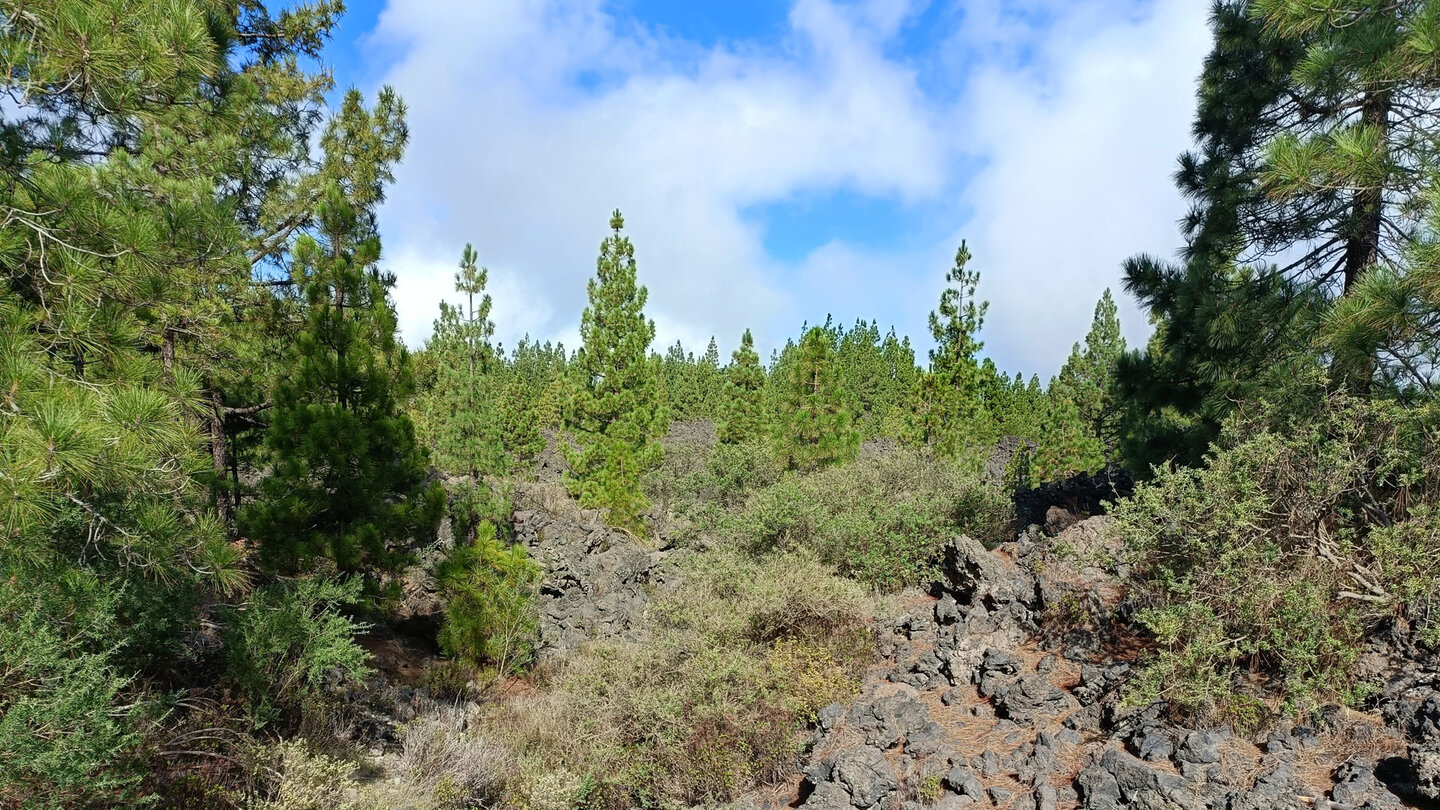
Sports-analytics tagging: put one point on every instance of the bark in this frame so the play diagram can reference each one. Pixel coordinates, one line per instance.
(219, 452)
(1362, 248)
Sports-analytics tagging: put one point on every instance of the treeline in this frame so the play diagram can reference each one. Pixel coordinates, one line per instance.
(484, 411)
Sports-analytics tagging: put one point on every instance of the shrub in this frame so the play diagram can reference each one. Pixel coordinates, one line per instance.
(733, 600)
(303, 780)
(489, 587)
(678, 719)
(455, 767)
(931, 789)
(448, 679)
(698, 480)
(64, 739)
(740, 659)
(882, 520)
(289, 637)
(1297, 536)
(471, 505)
(732, 472)
(550, 789)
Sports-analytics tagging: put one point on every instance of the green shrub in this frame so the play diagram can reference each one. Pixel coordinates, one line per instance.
(717, 702)
(448, 679)
(931, 789)
(472, 505)
(64, 739)
(301, 779)
(551, 789)
(882, 520)
(489, 587)
(1297, 536)
(734, 471)
(697, 482)
(733, 600)
(290, 635)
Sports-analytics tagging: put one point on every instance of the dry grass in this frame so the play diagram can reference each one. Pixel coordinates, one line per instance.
(716, 703)
(442, 759)
(1357, 733)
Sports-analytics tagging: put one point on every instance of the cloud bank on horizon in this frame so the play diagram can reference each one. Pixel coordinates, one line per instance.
(827, 167)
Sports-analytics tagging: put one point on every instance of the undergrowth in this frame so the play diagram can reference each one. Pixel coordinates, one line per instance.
(1260, 574)
(882, 520)
(741, 659)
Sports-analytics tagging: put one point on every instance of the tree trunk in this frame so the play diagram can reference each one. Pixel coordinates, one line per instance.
(1362, 248)
(167, 354)
(219, 455)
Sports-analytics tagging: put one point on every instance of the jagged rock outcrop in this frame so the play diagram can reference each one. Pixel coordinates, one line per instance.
(999, 687)
(1002, 454)
(1082, 494)
(597, 579)
(973, 704)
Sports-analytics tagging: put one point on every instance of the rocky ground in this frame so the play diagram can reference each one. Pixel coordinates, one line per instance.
(981, 698)
(598, 581)
(1001, 687)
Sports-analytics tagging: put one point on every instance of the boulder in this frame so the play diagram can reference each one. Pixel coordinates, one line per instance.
(1425, 761)
(866, 776)
(1031, 698)
(1119, 781)
(978, 575)
(827, 796)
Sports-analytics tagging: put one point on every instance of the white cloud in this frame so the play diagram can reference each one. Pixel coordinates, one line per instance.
(1078, 140)
(1080, 149)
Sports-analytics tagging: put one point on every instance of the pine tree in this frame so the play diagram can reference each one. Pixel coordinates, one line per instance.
(712, 382)
(1311, 128)
(468, 424)
(1220, 339)
(133, 154)
(815, 428)
(617, 415)
(863, 374)
(1313, 132)
(1064, 444)
(683, 394)
(521, 418)
(537, 389)
(951, 400)
(347, 477)
(899, 378)
(744, 412)
(1395, 317)
(1088, 377)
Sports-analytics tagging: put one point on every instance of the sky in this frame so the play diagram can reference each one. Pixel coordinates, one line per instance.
(779, 163)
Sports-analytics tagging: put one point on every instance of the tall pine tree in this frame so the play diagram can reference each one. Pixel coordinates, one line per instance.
(815, 428)
(617, 414)
(464, 415)
(744, 413)
(948, 397)
(347, 475)
(1088, 377)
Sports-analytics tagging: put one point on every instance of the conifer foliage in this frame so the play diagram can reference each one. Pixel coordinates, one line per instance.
(744, 414)
(948, 398)
(131, 192)
(348, 475)
(617, 413)
(464, 402)
(1088, 376)
(815, 426)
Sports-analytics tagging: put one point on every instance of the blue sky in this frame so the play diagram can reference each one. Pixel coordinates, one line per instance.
(781, 161)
